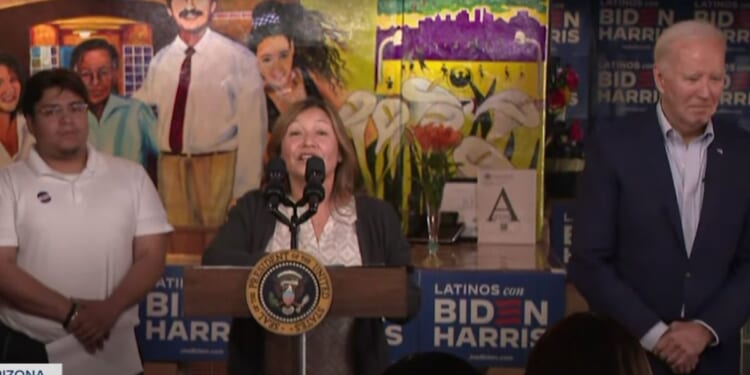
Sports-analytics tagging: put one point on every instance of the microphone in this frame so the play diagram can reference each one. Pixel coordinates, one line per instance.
(275, 180)
(315, 171)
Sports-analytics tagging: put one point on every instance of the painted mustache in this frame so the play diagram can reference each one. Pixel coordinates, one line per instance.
(190, 12)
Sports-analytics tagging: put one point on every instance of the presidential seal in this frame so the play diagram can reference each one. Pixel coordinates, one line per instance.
(288, 292)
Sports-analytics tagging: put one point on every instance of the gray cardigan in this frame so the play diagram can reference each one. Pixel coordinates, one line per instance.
(242, 241)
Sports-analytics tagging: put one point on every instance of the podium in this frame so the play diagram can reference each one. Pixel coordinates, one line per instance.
(220, 291)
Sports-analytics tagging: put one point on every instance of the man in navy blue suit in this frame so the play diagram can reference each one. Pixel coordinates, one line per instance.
(662, 235)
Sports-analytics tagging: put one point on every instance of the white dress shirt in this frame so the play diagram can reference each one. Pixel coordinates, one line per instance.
(687, 162)
(225, 108)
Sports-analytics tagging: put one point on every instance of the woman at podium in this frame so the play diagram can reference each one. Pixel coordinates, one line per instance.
(348, 229)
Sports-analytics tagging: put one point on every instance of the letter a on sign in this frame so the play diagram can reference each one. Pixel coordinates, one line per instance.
(511, 219)
(503, 208)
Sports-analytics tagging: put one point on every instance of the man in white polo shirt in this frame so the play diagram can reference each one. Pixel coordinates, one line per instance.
(82, 240)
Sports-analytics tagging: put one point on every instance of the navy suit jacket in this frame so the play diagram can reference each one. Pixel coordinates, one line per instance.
(628, 253)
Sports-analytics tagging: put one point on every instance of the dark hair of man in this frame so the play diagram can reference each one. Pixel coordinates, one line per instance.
(90, 45)
(587, 344)
(61, 79)
(9, 61)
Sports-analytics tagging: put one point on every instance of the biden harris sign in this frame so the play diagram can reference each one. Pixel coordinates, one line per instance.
(490, 318)
(165, 335)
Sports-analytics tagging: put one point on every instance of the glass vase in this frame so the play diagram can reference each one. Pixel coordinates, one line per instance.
(433, 228)
(432, 208)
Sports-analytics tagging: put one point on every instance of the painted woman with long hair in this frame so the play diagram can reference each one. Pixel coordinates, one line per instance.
(15, 139)
(298, 55)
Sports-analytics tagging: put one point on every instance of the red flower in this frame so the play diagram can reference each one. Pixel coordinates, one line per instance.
(571, 78)
(560, 87)
(576, 131)
(557, 99)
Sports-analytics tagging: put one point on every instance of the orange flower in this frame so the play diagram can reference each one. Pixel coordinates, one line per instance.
(432, 145)
(436, 138)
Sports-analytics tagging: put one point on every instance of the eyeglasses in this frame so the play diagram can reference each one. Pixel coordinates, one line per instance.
(56, 111)
(101, 74)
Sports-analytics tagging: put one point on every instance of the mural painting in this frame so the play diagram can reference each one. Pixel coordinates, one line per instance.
(390, 68)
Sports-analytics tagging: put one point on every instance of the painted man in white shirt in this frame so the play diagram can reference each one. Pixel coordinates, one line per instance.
(82, 240)
(217, 156)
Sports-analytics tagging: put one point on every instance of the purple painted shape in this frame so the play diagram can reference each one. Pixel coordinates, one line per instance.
(483, 39)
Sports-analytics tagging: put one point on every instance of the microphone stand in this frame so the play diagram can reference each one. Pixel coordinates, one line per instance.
(293, 224)
(295, 220)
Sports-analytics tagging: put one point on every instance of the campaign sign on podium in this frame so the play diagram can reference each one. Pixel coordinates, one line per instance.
(164, 334)
(490, 318)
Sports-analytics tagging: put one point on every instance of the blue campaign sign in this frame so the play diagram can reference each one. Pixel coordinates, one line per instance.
(561, 232)
(490, 318)
(571, 45)
(570, 27)
(626, 32)
(164, 335)
(733, 18)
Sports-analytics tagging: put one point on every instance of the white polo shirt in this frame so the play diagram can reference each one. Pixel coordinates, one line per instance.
(74, 233)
